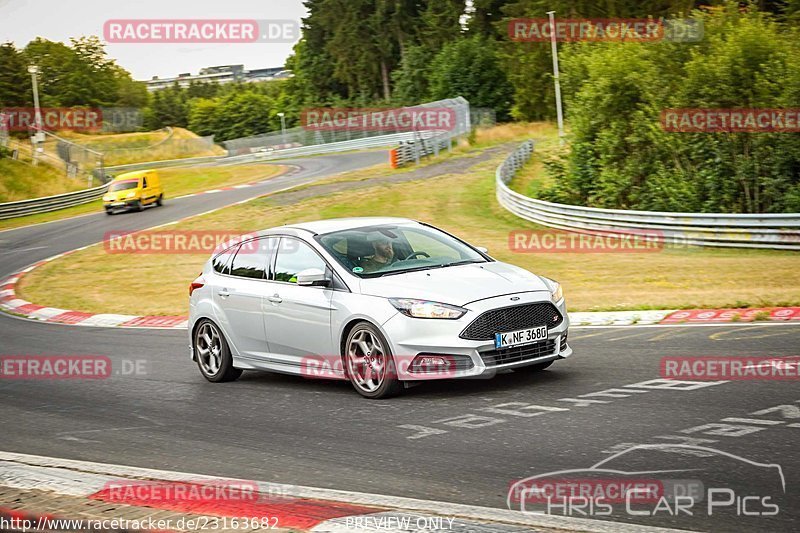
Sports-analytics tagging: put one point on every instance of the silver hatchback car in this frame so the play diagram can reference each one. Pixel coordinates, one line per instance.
(383, 302)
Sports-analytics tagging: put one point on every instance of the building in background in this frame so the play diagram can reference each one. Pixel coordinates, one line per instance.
(220, 74)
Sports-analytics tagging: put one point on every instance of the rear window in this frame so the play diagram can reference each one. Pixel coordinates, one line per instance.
(221, 262)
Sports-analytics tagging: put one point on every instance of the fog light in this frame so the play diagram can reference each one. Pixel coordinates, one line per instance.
(432, 363)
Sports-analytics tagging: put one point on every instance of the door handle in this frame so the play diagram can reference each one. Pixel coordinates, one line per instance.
(275, 298)
(224, 293)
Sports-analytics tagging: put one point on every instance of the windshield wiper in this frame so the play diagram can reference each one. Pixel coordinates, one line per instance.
(425, 267)
(464, 262)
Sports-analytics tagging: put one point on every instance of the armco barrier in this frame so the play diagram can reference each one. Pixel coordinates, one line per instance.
(50, 203)
(778, 231)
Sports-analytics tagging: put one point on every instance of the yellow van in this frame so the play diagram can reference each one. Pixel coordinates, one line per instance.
(134, 190)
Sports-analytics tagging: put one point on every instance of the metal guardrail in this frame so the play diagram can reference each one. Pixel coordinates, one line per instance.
(50, 203)
(778, 231)
(413, 150)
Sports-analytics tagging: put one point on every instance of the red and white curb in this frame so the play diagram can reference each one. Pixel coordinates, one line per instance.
(297, 507)
(9, 302)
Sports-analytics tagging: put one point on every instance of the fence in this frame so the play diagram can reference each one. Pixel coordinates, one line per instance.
(50, 203)
(778, 231)
(306, 136)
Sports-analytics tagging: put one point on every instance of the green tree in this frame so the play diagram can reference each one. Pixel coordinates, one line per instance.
(469, 68)
(15, 85)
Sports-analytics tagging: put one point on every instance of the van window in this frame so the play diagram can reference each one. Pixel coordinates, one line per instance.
(144, 182)
(123, 185)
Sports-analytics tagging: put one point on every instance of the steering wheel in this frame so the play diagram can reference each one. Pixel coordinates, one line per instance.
(415, 254)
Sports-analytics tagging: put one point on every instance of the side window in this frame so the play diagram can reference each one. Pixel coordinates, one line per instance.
(144, 182)
(295, 256)
(222, 262)
(251, 259)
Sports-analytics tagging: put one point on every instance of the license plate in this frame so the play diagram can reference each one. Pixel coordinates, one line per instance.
(519, 337)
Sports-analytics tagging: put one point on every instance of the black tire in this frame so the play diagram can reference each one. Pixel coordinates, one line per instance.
(223, 369)
(138, 206)
(109, 212)
(389, 384)
(537, 367)
(160, 200)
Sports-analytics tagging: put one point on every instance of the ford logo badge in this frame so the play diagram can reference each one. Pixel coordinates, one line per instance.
(514, 298)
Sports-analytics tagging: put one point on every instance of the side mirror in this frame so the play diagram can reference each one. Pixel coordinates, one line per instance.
(482, 249)
(313, 277)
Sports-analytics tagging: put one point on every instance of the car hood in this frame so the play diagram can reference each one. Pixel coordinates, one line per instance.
(118, 195)
(457, 285)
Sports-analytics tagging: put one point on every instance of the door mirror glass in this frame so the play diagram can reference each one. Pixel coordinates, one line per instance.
(313, 277)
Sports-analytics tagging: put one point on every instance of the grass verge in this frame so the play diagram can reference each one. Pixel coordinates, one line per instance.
(460, 202)
(20, 181)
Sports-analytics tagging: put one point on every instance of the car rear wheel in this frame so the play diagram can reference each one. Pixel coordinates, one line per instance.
(160, 200)
(212, 353)
(369, 363)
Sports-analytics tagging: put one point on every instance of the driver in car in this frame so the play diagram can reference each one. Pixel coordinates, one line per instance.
(383, 256)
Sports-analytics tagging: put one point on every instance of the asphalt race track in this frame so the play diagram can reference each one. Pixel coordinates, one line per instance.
(463, 442)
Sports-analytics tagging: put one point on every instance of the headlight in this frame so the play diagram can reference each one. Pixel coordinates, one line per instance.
(426, 309)
(131, 195)
(106, 198)
(556, 293)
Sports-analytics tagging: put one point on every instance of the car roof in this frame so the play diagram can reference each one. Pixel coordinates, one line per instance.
(133, 175)
(318, 227)
(339, 224)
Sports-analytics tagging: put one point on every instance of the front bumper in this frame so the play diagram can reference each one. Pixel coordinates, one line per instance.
(122, 204)
(412, 337)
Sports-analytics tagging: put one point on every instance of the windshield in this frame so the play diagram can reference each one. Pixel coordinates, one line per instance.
(123, 185)
(374, 251)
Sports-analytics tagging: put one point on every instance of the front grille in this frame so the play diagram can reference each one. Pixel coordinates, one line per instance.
(512, 318)
(516, 354)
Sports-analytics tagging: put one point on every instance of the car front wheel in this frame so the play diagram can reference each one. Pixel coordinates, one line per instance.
(369, 363)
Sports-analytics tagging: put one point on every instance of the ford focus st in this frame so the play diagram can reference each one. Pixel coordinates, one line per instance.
(383, 302)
